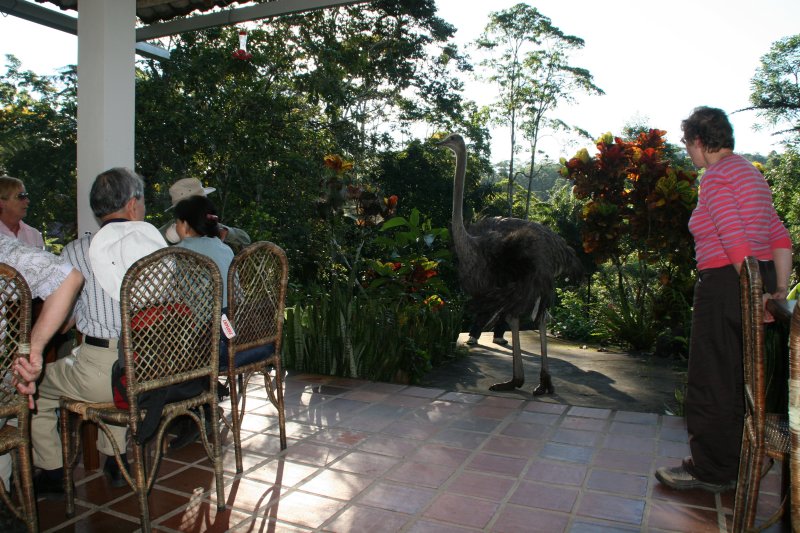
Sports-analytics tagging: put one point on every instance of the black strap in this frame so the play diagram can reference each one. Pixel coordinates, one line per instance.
(94, 341)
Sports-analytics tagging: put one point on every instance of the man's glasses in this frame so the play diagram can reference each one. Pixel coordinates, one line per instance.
(23, 196)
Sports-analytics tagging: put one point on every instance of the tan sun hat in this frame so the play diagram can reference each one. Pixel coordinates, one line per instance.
(118, 245)
(186, 188)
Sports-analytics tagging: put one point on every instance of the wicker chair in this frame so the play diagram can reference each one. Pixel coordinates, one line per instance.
(794, 412)
(764, 434)
(15, 329)
(256, 295)
(171, 306)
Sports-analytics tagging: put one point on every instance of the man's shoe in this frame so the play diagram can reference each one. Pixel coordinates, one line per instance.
(472, 341)
(48, 485)
(679, 478)
(500, 341)
(186, 433)
(113, 473)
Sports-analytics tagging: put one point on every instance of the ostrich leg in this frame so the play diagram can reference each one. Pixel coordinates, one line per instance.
(518, 376)
(545, 385)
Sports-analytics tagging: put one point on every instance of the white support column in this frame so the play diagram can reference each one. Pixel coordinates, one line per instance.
(106, 43)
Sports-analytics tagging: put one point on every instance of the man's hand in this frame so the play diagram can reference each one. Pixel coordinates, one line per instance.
(26, 373)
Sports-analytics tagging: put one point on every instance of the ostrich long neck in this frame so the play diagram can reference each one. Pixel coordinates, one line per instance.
(461, 239)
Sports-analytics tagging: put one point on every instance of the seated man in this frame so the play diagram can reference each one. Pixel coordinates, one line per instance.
(186, 188)
(116, 197)
(57, 283)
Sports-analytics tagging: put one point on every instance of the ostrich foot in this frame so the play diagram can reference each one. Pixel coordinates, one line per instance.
(545, 385)
(508, 385)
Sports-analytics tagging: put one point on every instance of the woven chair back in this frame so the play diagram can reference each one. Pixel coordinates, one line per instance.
(15, 327)
(794, 417)
(171, 305)
(257, 283)
(753, 343)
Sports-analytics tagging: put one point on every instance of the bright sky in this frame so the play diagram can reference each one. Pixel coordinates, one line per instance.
(656, 61)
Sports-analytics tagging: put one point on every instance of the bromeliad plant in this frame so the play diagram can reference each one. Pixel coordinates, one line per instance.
(415, 252)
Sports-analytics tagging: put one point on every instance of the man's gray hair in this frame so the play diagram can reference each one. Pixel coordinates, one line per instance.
(113, 189)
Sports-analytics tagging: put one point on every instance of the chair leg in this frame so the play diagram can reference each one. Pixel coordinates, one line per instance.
(780, 513)
(236, 421)
(70, 443)
(279, 405)
(139, 476)
(217, 451)
(27, 497)
(741, 484)
(753, 487)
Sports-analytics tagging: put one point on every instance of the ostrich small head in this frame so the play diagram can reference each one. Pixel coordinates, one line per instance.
(454, 141)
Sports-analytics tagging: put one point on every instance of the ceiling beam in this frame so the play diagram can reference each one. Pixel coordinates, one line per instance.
(40, 15)
(228, 17)
(59, 21)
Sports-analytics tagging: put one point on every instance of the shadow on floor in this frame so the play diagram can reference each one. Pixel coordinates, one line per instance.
(581, 375)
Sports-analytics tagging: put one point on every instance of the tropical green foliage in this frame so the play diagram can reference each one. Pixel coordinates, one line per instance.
(389, 316)
(318, 83)
(776, 87)
(392, 340)
(635, 215)
(374, 290)
(783, 174)
(38, 144)
(572, 318)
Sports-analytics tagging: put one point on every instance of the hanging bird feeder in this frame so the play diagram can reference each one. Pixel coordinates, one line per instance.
(242, 54)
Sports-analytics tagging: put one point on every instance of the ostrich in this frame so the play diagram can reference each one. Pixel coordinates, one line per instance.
(509, 266)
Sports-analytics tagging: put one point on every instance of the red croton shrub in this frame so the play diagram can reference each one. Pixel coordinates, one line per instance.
(633, 198)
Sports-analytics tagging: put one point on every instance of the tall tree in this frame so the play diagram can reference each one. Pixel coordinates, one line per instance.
(776, 88)
(385, 62)
(549, 81)
(257, 128)
(528, 60)
(38, 143)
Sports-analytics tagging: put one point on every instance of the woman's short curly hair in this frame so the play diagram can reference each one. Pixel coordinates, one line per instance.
(711, 126)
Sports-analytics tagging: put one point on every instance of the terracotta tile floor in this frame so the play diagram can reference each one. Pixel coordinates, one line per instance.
(365, 457)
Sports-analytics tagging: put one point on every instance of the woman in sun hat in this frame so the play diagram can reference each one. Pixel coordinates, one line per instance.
(185, 188)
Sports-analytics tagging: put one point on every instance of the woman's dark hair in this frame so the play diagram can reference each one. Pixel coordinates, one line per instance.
(711, 126)
(201, 215)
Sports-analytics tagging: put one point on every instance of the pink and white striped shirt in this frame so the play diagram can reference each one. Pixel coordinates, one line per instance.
(735, 216)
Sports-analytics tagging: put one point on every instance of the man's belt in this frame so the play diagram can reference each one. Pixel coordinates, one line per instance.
(100, 343)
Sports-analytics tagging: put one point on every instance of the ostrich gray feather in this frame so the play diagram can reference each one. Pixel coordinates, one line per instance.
(506, 264)
(513, 263)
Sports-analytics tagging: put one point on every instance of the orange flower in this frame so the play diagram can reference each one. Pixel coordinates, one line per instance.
(337, 164)
(434, 302)
(391, 202)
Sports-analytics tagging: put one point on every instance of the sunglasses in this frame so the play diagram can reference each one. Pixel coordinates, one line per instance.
(23, 196)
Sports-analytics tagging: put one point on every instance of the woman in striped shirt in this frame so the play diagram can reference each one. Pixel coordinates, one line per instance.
(734, 218)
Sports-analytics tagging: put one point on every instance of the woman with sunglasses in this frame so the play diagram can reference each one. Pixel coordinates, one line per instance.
(14, 201)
